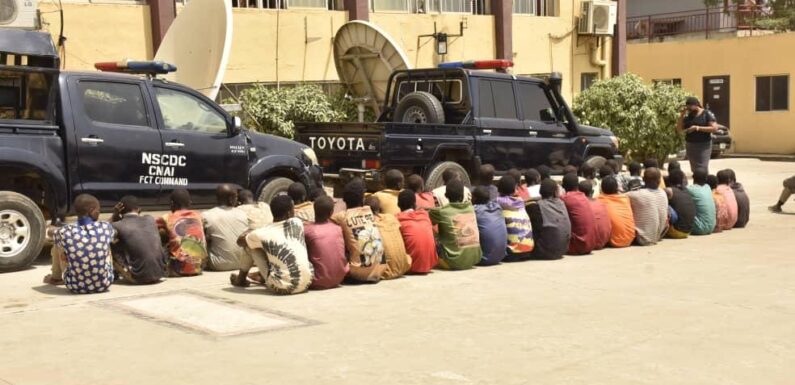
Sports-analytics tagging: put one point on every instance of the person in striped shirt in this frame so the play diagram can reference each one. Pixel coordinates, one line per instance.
(649, 209)
(520, 231)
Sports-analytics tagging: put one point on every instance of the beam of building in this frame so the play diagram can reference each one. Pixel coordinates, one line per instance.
(619, 59)
(161, 13)
(358, 9)
(503, 28)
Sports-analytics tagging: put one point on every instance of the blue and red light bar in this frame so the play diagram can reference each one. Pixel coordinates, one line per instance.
(136, 67)
(479, 64)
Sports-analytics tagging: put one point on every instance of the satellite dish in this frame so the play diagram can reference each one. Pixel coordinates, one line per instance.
(365, 57)
(198, 43)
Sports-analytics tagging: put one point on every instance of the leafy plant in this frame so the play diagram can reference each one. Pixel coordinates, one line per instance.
(643, 116)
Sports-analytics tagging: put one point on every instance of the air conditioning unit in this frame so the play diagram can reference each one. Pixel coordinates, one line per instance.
(597, 17)
(18, 14)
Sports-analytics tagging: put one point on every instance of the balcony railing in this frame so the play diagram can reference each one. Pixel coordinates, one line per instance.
(705, 21)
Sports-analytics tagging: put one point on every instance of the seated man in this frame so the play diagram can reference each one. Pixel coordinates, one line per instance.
(459, 242)
(786, 193)
(588, 172)
(387, 198)
(521, 188)
(287, 269)
(486, 179)
(721, 207)
(491, 227)
(743, 202)
(583, 221)
(622, 224)
(650, 209)
(326, 247)
(706, 216)
(424, 199)
(78, 246)
(184, 230)
(138, 255)
(551, 225)
(303, 207)
(621, 179)
(604, 228)
(439, 192)
(682, 203)
(223, 224)
(517, 222)
(257, 213)
(417, 232)
(635, 181)
(398, 260)
(363, 245)
(533, 179)
(724, 188)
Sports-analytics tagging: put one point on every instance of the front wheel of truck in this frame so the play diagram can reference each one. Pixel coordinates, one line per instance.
(274, 187)
(434, 177)
(22, 230)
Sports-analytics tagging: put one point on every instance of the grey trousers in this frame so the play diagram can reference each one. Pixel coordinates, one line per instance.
(698, 153)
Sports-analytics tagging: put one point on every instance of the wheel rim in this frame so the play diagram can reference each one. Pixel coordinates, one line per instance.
(415, 114)
(14, 233)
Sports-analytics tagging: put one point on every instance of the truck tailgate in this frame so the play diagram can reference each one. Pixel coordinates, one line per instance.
(342, 145)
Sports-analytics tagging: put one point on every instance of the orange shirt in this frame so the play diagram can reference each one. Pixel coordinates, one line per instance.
(623, 223)
(722, 210)
(425, 200)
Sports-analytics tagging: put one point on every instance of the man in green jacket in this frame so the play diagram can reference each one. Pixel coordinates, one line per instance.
(458, 238)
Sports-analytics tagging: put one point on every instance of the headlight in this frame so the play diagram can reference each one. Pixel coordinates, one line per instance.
(615, 140)
(310, 153)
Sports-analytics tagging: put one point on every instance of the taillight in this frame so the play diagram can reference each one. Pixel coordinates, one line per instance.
(371, 164)
(325, 163)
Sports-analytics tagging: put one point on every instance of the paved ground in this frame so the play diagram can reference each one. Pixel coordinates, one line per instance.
(707, 310)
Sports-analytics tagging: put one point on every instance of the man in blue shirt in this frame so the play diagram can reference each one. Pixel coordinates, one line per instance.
(491, 225)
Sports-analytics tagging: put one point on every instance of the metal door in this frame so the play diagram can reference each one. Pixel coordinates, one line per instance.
(716, 97)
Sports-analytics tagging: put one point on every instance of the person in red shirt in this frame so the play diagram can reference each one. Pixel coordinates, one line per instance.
(583, 221)
(417, 231)
(425, 199)
(604, 228)
(521, 188)
(326, 247)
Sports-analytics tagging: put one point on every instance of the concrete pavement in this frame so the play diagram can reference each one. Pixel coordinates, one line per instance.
(707, 310)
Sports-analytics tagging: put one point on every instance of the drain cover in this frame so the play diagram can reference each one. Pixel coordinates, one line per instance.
(205, 314)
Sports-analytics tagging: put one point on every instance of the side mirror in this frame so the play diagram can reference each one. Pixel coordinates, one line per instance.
(547, 115)
(237, 125)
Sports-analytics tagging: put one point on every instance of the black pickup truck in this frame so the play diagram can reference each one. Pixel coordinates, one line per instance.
(442, 118)
(107, 134)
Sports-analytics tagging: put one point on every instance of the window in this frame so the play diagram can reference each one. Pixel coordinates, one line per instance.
(182, 111)
(673, 82)
(535, 7)
(449, 92)
(25, 95)
(307, 4)
(524, 7)
(587, 79)
(285, 4)
(113, 103)
(772, 93)
(457, 6)
(535, 102)
(496, 99)
(389, 5)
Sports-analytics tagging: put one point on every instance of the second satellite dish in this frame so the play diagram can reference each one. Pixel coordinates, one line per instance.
(365, 57)
(198, 43)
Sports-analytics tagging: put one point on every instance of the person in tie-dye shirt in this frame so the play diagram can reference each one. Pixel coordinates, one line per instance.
(520, 231)
(184, 230)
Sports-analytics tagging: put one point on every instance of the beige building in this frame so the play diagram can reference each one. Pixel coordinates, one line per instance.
(289, 41)
(743, 74)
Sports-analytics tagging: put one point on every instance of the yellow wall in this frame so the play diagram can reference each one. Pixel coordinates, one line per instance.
(742, 59)
(103, 32)
(96, 33)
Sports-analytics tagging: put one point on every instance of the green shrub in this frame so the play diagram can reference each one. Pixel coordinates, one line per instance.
(642, 116)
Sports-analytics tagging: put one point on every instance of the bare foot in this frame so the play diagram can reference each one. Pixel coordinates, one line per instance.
(48, 279)
(233, 279)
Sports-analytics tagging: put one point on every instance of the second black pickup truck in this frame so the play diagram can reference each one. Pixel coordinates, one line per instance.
(455, 118)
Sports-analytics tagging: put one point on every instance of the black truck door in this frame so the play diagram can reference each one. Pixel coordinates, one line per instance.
(502, 134)
(114, 131)
(198, 146)
(549, 142)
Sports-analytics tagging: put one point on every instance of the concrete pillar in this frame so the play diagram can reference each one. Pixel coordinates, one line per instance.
(358, 9)
(503, 28)
(161, 14)
(619, 59)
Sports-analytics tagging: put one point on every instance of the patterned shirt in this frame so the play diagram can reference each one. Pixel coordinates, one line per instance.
(731, 202)
(289, 269)
(650, 210)
(363, 244)
(89, 267)
(459, 239)
(187, 246)
(517, 222)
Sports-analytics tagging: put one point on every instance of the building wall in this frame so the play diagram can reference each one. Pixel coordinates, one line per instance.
(742, 59)
(297, 45)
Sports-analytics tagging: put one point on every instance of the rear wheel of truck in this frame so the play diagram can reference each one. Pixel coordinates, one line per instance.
(22, 231)
(596, 162)
(419, 107)
(434, 177)
(274, 187)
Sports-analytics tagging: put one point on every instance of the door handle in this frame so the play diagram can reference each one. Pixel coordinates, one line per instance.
(486, 132)
(92, 140)
(175, 144)
(532, 133)
(559, 136)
